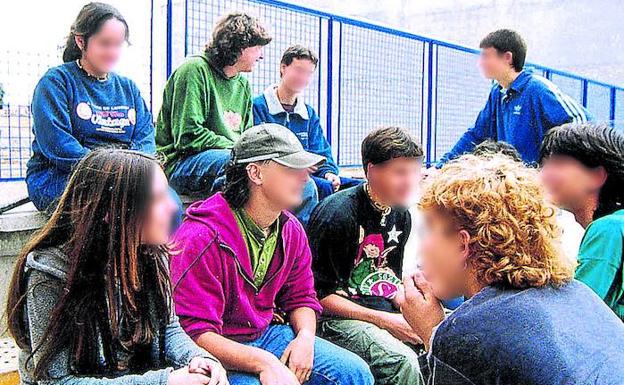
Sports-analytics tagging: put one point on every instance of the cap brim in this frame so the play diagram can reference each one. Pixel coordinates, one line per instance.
(300, 160)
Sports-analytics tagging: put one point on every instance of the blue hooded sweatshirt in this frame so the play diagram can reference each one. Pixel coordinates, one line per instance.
(303, 121)
(520, 115)
(74, 113)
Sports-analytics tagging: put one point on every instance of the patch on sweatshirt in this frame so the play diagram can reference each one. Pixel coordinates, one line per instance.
(233, 120)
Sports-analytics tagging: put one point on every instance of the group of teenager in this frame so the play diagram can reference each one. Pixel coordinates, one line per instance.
(274, 276)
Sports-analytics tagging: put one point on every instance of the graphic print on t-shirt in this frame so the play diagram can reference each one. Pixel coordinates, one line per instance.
(110, 119)
(371, 275)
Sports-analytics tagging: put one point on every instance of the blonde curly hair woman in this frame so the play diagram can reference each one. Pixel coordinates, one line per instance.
(491, 237)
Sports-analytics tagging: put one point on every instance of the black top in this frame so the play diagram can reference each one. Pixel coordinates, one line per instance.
(356, 252)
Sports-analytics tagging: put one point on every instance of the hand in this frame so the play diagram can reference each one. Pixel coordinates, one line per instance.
(276, 373)
(210, 368)
(421, 308)
(398, 299)
(334, 179)
(299, 356)
(313, 169)
(182, 376)
(396, 325)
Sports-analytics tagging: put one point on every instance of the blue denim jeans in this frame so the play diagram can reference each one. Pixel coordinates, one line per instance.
(196, 174)
(332, 364)
(326, 189)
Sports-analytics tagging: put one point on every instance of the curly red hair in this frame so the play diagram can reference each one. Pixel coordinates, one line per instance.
(514, 240)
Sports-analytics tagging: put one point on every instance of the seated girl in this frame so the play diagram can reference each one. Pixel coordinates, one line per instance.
(81, 105)
(491, 237)
(90, 299)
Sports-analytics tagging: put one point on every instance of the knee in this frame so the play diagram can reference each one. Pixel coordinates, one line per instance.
(408, 366)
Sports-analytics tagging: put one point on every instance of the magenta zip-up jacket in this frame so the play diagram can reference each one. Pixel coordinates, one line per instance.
(212, 276)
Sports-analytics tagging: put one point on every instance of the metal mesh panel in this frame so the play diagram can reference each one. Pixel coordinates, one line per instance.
(461, 92)
(15, 140)
(287, 27)
(618, 121)
(381, 79)
(599, 101)
(569, 85)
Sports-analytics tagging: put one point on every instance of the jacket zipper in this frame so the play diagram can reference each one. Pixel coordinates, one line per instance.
(239, 268)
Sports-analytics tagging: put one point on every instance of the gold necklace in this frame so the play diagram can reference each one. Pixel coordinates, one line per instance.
(98, 78)
(383, 209)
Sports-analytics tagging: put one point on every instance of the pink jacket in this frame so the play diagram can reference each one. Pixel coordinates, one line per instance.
(213, 281)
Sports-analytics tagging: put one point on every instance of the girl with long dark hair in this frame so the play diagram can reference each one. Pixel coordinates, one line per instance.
(90, 299)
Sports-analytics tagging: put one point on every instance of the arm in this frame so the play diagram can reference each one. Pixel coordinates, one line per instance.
(258, 116)
(600, 257)
(43, 294)
(52, 124)
(143, 137)
(339, 306)
(248, 359)
(481, 131)
(298, 290)
(558, 108)
(179, 347)
(190, 105)
(234, 355)
(319, 145)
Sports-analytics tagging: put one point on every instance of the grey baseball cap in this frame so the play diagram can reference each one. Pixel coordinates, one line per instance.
(270, 141)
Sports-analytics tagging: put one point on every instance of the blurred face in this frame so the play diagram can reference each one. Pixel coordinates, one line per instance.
(104, 47)
(568, 182)
(248, 58)
(493, 64)
(443, 252)
(161, 211)
(395, 180)
(282, 186)
(298, 74)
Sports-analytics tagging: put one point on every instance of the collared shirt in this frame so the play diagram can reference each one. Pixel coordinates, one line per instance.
(260, 246)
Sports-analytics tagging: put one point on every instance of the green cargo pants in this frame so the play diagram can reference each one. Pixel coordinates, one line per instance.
(391, 361)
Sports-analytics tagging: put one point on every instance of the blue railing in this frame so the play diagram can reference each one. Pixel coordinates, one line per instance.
(371, 75)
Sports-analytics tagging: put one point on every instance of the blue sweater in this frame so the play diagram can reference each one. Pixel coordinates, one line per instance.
(538, 336)
(520, 116)
(74, 113)
(303, 121)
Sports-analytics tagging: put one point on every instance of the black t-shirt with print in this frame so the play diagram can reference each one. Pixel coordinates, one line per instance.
(357, 253)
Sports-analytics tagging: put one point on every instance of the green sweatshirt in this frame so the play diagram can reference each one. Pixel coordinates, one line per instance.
(601, 259)
(201, 110)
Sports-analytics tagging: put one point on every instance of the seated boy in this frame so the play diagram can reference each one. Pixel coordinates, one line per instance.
(283, 104)
(357, 238)
(241, 254)
(207, 105)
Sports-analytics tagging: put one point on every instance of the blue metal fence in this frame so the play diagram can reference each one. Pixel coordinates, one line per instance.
(371, 75)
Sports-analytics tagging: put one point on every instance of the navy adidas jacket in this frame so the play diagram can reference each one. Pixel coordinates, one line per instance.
(520, 116)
